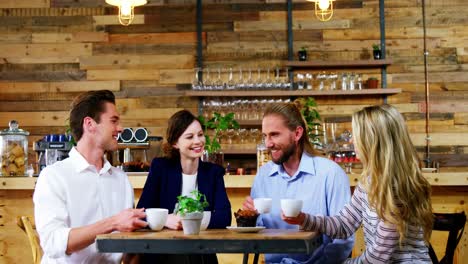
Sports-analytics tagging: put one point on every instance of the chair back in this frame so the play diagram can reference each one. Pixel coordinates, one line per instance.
(454, 224)
(27, 225)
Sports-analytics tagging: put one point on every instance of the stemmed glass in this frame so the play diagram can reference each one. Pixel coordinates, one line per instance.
(208, 83)
(268, 81)
(249, 83)
(259, 81)
(196, 83)
(240, 81)
(230, 84)
(218, 83)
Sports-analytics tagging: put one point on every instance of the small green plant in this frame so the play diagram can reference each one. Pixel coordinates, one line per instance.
(303, 49)
(372, 78)
(68, 131)
(187, 204)
(308, 108)
(375, 46)
(218, 123)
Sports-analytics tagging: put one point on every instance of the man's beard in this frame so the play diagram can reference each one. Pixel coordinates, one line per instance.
(287, 153)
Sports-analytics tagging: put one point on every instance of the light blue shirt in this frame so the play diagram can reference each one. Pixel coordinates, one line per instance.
(324, 189)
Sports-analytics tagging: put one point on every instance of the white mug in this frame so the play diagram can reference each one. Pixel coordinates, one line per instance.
(262, 205)
(291, 207)
(206, 220)
(156, 218)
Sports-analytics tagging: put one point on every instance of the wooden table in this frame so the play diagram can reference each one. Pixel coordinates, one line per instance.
(211, 241)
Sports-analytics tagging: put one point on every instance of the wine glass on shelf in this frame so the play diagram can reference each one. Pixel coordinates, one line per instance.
(208, 82)
(218, 84)
(268, 81)
(230, 84)
(240, 80)
(196, 83)
(259, 81)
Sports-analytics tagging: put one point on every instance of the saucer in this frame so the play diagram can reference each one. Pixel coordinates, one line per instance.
(245, 229)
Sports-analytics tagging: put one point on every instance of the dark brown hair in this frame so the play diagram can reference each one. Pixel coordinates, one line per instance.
(176, 126)
(292, 119)
(88, 104)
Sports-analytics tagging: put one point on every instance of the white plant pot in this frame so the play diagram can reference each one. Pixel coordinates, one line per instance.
(191, 223)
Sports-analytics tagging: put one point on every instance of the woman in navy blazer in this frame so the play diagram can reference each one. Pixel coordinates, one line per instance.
(180, 172)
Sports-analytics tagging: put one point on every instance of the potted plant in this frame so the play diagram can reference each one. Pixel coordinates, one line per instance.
(302, 54)
(308, 108)
(190, 209)
(217, 123)
(376, 51)
(372, 83)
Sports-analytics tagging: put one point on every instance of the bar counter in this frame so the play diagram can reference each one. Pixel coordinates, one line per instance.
(449, 194)
(138, 179)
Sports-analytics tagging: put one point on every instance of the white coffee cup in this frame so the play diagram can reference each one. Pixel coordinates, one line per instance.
(206, 220)
(156, 218)
(262, 205)
(291, 207)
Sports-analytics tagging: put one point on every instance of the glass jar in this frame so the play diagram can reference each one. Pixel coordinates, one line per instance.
(13, 150)
(263, 155)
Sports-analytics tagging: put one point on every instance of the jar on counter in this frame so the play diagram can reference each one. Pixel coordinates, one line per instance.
(263, 155)
(13, 150)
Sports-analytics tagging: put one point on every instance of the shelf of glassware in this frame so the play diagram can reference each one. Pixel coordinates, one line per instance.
(278, 93)
(345, 64)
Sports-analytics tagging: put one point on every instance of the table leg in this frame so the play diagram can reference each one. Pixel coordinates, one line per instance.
(255, 261)
(246, 258)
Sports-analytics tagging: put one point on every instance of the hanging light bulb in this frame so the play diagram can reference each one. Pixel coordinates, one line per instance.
(126, 13)
(323, 9)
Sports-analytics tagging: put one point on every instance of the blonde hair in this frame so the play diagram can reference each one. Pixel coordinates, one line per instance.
(292, 118)
(391, 174)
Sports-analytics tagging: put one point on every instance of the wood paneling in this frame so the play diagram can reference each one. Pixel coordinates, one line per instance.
(51, 50)
(137, 62)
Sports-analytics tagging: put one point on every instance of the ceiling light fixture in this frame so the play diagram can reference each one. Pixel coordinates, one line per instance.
(126, 13)
(323, 9)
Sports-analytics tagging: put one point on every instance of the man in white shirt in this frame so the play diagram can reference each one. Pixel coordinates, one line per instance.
(83, 195)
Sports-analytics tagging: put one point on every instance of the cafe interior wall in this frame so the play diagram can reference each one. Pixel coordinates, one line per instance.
(52, 50)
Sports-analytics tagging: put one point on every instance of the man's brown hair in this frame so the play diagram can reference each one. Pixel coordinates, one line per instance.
(90, 104)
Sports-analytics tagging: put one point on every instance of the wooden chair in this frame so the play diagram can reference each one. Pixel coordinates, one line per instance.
(29, 228)
(454, 224)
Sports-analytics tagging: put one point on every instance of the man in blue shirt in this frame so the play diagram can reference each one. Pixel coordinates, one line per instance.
(295, 173)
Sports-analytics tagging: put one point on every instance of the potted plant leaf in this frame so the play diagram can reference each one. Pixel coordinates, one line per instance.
(302, 54)
(190, 209)
(217, 123)
(308, 108)
(376, 52)
(372, 83)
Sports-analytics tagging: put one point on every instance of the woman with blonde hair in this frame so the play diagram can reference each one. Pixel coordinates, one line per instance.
(392, 200)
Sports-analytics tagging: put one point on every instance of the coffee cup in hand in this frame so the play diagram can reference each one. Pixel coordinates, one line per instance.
(291, 207)
(156, 218)
(262, 205)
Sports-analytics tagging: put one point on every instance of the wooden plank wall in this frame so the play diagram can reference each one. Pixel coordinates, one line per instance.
(51, 50)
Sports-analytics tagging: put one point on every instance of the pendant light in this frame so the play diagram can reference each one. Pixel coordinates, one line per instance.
(126, 13)
(323, 9)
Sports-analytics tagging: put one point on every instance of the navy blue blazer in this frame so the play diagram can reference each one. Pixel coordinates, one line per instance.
(164, 184)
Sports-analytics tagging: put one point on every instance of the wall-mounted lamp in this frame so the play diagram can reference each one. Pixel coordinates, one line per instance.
(126, 13)
(323, 9)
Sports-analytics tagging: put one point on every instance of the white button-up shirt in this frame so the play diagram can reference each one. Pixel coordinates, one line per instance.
(72, 193)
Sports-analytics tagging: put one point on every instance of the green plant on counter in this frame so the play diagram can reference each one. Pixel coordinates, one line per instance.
(375, 46)
(218, 123)
(372, 78)
(68, 131)
(308, 108)
(188, 204)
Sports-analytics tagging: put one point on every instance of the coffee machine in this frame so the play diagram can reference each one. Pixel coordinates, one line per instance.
(136, 150)
(50, 150)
